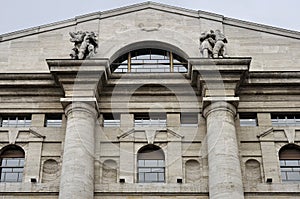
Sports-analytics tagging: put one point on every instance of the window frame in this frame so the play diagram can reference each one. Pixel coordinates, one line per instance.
(248, 119)
(287, 155)
(149, 60)
(187, 122)
(53, 120)
(10, 154)
(150, 119)
(111, 119)
(146, 157)
(285, 119)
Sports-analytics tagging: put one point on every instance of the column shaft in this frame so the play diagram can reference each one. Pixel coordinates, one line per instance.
(77, 177)
(225, 179)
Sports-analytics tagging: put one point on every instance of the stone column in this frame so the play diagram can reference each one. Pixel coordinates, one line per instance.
(225, 178)
(77, 177)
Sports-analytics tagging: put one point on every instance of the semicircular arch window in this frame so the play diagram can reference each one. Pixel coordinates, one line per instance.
(149, 60)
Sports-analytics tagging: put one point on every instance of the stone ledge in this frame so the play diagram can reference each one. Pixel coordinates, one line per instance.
(151, 188)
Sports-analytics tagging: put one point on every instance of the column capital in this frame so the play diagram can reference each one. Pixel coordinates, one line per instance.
(81, 106)
(219, 106)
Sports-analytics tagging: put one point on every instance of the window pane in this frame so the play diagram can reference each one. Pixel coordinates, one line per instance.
(295, 176)
(17, 170)
(161, 177)
(161, 163)
(292, 163)
(144, 170)
(282, 163)
(283, 176)
(141, 163)
(157, 170)
(141, 177)
(151, 163)
(6, 170)
(12, 162)
(21, 162)
(11, 177)
(151, 177)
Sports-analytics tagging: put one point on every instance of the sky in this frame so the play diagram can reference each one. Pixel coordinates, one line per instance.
(20, 14)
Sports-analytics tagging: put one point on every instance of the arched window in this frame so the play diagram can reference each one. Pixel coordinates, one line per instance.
(151, 164)
(12, 164)
(149, 60)
(289, 157)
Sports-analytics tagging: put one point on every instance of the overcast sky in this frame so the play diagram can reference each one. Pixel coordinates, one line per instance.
(21, 14)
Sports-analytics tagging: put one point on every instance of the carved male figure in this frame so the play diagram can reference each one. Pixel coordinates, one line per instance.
(219, 48)
(85, 44)
(207, 42)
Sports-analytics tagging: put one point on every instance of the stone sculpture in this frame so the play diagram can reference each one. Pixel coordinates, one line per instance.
(212, 44)
(85, 44)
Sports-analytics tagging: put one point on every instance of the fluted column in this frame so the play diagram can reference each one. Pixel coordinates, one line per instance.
(77, 177)
(225, 178)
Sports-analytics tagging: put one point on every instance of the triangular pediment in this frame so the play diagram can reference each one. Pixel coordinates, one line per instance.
(150, 5)
(13, 135)
(150, 134)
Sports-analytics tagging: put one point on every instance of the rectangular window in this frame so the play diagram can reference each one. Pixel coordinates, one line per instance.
(16, 121)
(285, 119)
(12, 169)
(248, 119)
(151, 171)
(290, 170)
(150, 119)
(189, 119)
(111, 119)
(53, 120)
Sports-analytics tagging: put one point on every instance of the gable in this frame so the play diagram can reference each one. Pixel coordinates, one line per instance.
(132, 26)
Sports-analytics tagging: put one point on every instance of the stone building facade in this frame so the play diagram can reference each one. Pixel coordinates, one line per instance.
(147, 114)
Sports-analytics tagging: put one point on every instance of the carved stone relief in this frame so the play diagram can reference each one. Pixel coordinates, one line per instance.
(212, 44)
(50, 170)
(85, 44)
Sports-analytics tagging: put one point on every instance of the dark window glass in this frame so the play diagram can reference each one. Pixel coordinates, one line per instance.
(111, 120)
(53, 120)
(248, 119)
(189, 119)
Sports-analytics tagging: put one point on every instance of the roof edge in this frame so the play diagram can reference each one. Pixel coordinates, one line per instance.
(261, 27)
(153, 5)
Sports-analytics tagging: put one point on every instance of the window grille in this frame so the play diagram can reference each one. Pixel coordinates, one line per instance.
(287, 119)
(15, 121)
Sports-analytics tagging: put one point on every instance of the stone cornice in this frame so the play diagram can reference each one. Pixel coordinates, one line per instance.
(219, 77)
(79, 78)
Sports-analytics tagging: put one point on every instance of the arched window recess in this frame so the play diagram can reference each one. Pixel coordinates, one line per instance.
(151, 164)
(149, 60)
(289, 157)
(12, 164)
